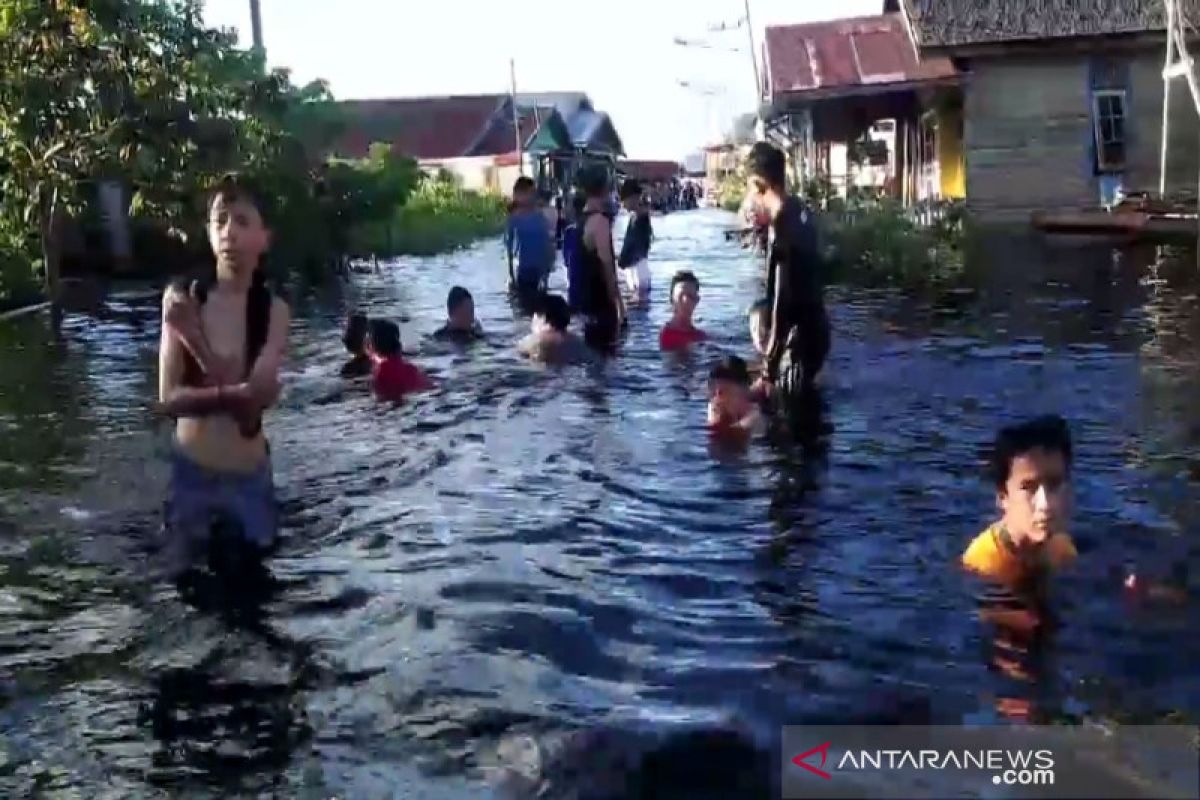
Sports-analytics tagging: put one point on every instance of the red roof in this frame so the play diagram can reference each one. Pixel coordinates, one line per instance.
(420, 127)
(650, 170)
(846, 54)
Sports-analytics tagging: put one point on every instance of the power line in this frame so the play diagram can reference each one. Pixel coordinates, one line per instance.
(702, 45)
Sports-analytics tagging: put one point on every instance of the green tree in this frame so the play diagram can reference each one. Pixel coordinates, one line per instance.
(141, 91)
(92, 90)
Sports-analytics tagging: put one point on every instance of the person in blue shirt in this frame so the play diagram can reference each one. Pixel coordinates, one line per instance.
(529, 241)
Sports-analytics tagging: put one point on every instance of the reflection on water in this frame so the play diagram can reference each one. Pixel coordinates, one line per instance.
(544, 576)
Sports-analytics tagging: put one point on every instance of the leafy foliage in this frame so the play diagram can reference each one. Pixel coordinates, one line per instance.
(443, 216)
(873, 240)
(731, 190)
(141, 91)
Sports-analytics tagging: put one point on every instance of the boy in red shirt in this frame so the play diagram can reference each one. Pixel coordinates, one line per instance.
(680, 332)
(392, 376)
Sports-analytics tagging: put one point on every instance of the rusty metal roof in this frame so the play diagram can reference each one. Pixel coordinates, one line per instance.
(420, 127)
(847, 56)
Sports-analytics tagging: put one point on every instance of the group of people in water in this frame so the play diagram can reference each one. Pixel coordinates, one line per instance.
(224, 339)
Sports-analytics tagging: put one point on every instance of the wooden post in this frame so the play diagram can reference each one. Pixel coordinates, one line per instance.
(1166, 112)
(758, 87)
(516, 115)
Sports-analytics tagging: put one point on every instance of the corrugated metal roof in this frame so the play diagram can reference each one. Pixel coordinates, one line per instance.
(567, 103)
(594, 130)
(956, 23)
(500, 137)
(433, 128)
(847, 54)
(420, 127)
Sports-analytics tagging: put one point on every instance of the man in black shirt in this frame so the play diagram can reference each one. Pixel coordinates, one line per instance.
(638, 236)
(797, 323)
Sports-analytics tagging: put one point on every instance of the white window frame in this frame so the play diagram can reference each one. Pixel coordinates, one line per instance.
(1097, 129)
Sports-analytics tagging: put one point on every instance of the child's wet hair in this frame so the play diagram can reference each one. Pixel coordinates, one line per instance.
(555, 310)
(732, 369)
(683, 276)
(457, 296)
(1049, 432)
(759, 309)
(385, 337)
(234, 187)
(355, 335)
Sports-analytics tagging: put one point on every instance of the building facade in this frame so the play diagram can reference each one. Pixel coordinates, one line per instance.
(481, 138)
(1062, 100)
(831, 84)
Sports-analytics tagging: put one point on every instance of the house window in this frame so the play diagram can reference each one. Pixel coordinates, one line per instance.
(1108, 120)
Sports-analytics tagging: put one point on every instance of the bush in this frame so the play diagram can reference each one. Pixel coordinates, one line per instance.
(19, 284)
(874, 241)
(439, 216)
(731, 191)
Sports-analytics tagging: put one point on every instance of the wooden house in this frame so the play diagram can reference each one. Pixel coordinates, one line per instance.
(828, 83)
(480, 139)
(1062, 99)
(593, 137)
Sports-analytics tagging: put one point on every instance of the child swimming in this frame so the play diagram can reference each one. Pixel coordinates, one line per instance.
(355, 340)
(1031, 471)
(549, 339)
(393, 377)
(680, 332)
(221, 349)
(461, 325)
(731, 407)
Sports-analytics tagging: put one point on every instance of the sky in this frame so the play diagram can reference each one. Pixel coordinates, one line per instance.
(624, 57)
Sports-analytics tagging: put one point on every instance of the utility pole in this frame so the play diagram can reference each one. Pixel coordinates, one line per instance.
(758, 87)
(256, 27)
(516, 115)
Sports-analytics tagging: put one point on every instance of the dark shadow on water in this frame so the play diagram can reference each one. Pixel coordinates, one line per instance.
(238, 733)
(232, 732)
(610, 764)
(799, 433)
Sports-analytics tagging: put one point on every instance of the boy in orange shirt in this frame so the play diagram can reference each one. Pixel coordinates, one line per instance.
(1031, 468)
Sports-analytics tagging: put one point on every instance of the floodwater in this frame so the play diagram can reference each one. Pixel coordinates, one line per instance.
(551, 574)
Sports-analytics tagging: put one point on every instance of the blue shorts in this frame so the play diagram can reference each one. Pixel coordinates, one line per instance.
(201, 500)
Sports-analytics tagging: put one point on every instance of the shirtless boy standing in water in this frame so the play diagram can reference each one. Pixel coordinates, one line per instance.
(219, 359)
